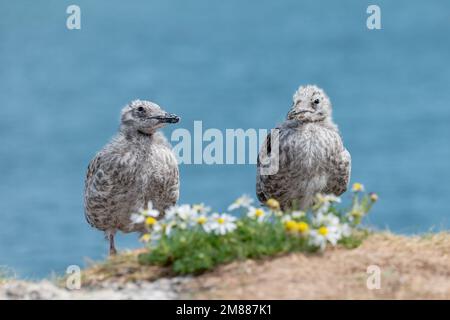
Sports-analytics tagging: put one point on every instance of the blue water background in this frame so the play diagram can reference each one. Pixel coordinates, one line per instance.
(231, 64)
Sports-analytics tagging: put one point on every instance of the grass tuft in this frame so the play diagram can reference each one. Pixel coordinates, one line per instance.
(188, 241)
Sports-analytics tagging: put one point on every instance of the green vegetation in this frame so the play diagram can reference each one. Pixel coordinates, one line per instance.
(190, 240)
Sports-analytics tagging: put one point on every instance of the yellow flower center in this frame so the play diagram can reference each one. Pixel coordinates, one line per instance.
(259, 213)
(273, 204)
(150, 221)
(323, 231)
(201, 220)
(221, 220)
(302, 227)
(290, 225)
(357, 186)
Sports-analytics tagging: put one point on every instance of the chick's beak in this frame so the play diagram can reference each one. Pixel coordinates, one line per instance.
(169, 118)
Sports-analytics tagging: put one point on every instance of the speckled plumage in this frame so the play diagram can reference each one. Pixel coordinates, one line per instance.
(136, 167)
(312, 157)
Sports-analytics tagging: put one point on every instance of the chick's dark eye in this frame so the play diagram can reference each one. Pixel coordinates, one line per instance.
(140, 109)
(316, 101)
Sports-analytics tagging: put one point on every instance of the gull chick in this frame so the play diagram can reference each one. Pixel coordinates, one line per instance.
(312, 157)
(135, 168)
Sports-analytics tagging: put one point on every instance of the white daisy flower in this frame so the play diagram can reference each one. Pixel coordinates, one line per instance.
(201, 208)
(325, 219)
(185, 212)
(320, 237)
(137, 218)
(150, 211)
(163, 228)
(221, 223)
(298, 214)
(256, 213)
(334, 234)
(242, 202)
(201, 220)
(171, 213)
(317, 240)
(345, 230)
(140, 217)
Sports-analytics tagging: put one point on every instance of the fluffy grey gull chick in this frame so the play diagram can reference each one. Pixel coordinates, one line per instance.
(312, 157)
(136, 167)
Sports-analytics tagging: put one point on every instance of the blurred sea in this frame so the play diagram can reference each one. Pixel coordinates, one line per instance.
(232, 64)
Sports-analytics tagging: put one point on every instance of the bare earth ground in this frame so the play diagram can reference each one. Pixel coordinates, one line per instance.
(411, 268)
